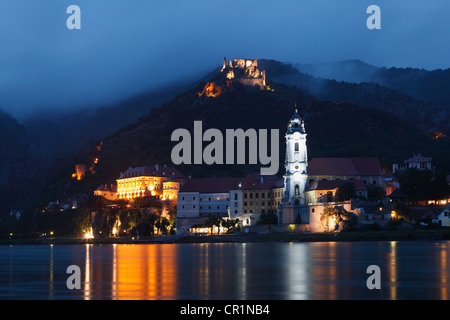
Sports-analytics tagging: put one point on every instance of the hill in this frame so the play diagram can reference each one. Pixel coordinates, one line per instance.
(59, 134)
(428, 116)
(20, 167)
(335, 129)
(421, 84)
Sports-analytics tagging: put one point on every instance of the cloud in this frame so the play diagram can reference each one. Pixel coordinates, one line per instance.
(126, 47)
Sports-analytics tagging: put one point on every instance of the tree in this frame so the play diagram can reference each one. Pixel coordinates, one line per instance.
(231, 225)
(375, 192)
(422, 185)
(96, 202)
(213, 221)
(345, 192)
(328, 216)
(401, 209)
(268, 218)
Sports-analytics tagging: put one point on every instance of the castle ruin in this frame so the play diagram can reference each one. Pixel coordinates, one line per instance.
(245, 71)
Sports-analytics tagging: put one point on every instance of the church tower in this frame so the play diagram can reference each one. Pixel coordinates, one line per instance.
(296, 177)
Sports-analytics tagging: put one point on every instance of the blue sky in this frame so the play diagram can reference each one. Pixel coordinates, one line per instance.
(125, 47)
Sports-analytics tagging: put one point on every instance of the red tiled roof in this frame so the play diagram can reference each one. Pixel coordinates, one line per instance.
(151, 171)
(334, 184)
(257, 181)
(105, 187)
(344, 167)
(210, 185)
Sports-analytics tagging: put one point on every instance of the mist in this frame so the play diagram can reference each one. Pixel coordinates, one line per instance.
(125, 48)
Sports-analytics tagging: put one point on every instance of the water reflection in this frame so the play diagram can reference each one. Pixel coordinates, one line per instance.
(87, 272)
(444, 271)
(292, 271)
(392, 265)
(297, 280)
(51, 273)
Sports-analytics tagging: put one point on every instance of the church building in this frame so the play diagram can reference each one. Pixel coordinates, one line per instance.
(296, 177)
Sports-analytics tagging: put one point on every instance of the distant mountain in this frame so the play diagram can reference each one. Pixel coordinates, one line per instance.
(419, 83)
(19, 162)
(335, 129)
(342, 120)
(424, 114)
(62, 133)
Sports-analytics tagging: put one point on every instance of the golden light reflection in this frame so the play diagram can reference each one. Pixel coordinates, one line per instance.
(145, 272)
(87, 272)
(333, 276)
(444, 271)
(324, 276)
(392, 265)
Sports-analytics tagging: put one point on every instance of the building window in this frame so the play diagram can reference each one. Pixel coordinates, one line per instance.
(182, 198)
(245, 195)
(193, 198)
(263, 203)
(312, 209)
(251, 195)
(235, 196)
(296, 146)
(182, 206)
(256, 195)
(235, 211)
(263, 211)
(263, 195)
(245, 203)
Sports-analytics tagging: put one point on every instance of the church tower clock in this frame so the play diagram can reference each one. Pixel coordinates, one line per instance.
(296, 177)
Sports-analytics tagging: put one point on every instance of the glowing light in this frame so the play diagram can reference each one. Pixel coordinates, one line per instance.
(89, 234)
(114, 231)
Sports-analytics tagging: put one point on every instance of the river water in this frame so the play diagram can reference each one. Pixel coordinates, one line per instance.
(281, 271)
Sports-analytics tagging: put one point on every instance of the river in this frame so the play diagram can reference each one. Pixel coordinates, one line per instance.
(228, 271)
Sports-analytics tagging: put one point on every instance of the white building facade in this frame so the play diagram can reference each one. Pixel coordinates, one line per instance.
(296, 163)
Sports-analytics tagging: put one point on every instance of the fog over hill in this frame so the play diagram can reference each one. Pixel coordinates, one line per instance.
(342, 119)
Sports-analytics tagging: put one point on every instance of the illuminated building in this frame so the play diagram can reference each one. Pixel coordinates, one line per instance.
(80, 171)
(365, 169)
(108, 192)
(161, 181)
(323, 191)
(257, 195)
(417, 161)
(202, 198)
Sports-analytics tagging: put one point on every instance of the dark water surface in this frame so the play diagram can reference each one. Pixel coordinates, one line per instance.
(282, 271)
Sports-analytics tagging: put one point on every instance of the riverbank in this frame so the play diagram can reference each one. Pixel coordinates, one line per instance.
(383, 235)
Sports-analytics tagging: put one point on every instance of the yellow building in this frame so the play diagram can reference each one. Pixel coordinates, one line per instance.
(161, 181)
(108, 192)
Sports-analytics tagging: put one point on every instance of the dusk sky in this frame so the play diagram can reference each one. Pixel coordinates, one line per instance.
(127, 47)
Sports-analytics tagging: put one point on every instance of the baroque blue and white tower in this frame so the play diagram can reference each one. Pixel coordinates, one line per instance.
(296, 163)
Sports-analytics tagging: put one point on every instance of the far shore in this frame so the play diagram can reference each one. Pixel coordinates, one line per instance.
(382, 235)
